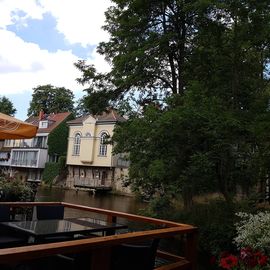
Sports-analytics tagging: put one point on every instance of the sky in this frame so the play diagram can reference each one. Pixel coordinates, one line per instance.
(40, 42)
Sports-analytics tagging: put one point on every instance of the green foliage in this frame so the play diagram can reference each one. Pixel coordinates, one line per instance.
(95, 102)
(51, 99)
(196, 147)
(211, 58)
(215, 222)
(149, 40)
(51, 170)
(12, 190)
(253, 230)
(148, 51)
(58, 138)
(62, 163)
(160, 207)
(6, 106)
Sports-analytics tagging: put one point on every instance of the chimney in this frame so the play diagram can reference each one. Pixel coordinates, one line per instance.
(41, 115)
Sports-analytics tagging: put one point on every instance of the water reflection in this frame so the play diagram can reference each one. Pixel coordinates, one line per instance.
(106, 201)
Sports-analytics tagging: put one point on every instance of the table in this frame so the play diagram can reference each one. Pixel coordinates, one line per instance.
(37, 230)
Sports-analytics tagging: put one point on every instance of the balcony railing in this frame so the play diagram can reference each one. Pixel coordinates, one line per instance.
(24, 163)
(100, 247)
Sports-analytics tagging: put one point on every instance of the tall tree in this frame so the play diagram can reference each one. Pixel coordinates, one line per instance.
(6, 106)
(51, 99)
(212, 57)
(150, 45)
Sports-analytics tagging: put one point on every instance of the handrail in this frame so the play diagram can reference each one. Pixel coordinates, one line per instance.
(168, 229)
(128, 216)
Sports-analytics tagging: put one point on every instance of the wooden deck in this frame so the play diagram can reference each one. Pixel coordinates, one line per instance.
(100, 247)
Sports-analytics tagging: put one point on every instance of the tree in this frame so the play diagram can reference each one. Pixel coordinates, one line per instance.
(179, 150)
(149, 49)
(211, 58)
(6, 106)
(233, 52)
(51, 99)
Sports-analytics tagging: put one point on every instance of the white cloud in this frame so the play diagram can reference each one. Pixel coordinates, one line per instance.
(24, 65)
(10, 8)
(80, 21)
(27, 66)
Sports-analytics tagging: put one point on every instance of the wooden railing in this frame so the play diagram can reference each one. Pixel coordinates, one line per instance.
(100, 246)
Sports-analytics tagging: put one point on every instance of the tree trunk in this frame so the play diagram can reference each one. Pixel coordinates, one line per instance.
(187, 198)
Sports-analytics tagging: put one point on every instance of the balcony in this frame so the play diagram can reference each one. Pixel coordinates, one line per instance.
(28, 158)
(100, 248)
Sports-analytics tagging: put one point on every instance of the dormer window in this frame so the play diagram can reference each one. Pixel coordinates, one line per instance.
(43, 124)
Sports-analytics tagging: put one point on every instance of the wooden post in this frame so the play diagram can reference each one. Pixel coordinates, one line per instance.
(111, 219)
(191, 248)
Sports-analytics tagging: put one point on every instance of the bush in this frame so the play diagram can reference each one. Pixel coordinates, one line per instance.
(54, 169)
(253, 231)
(159, 207)
(216, 222)
(13, 190)
(51, 170)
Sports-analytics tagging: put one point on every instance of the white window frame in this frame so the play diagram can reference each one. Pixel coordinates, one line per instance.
(77, 144)
(103, 146)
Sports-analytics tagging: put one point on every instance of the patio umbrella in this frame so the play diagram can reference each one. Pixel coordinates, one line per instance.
(12, 128)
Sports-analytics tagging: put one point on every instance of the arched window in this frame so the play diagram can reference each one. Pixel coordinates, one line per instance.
(103, 145)
(77, 144)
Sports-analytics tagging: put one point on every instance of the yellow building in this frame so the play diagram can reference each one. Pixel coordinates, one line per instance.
(90, 161)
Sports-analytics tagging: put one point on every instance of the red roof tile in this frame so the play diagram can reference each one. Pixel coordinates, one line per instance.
(54, 120)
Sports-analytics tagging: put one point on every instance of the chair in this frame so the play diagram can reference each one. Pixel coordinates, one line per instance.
(134, 256)
(4, 213)
(8, 238)
(50, 212)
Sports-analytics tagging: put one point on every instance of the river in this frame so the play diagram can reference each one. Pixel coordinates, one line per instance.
(120, 203)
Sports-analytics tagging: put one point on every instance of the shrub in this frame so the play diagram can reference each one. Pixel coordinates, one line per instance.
(13, 190)
(253, 231)
(216, 222)
(51, 170)
(54, 169)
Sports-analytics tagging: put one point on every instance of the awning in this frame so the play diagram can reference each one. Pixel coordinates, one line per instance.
(12, 128)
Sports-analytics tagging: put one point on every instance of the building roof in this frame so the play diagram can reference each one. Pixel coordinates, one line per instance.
(109, 116)
(54, 120)
(79, 120)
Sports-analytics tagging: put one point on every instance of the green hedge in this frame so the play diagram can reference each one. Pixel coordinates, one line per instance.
(51, 170)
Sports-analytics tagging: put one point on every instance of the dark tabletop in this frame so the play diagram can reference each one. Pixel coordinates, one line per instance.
(42, 228)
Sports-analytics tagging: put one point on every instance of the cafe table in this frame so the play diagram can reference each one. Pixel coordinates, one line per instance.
(38, 230)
